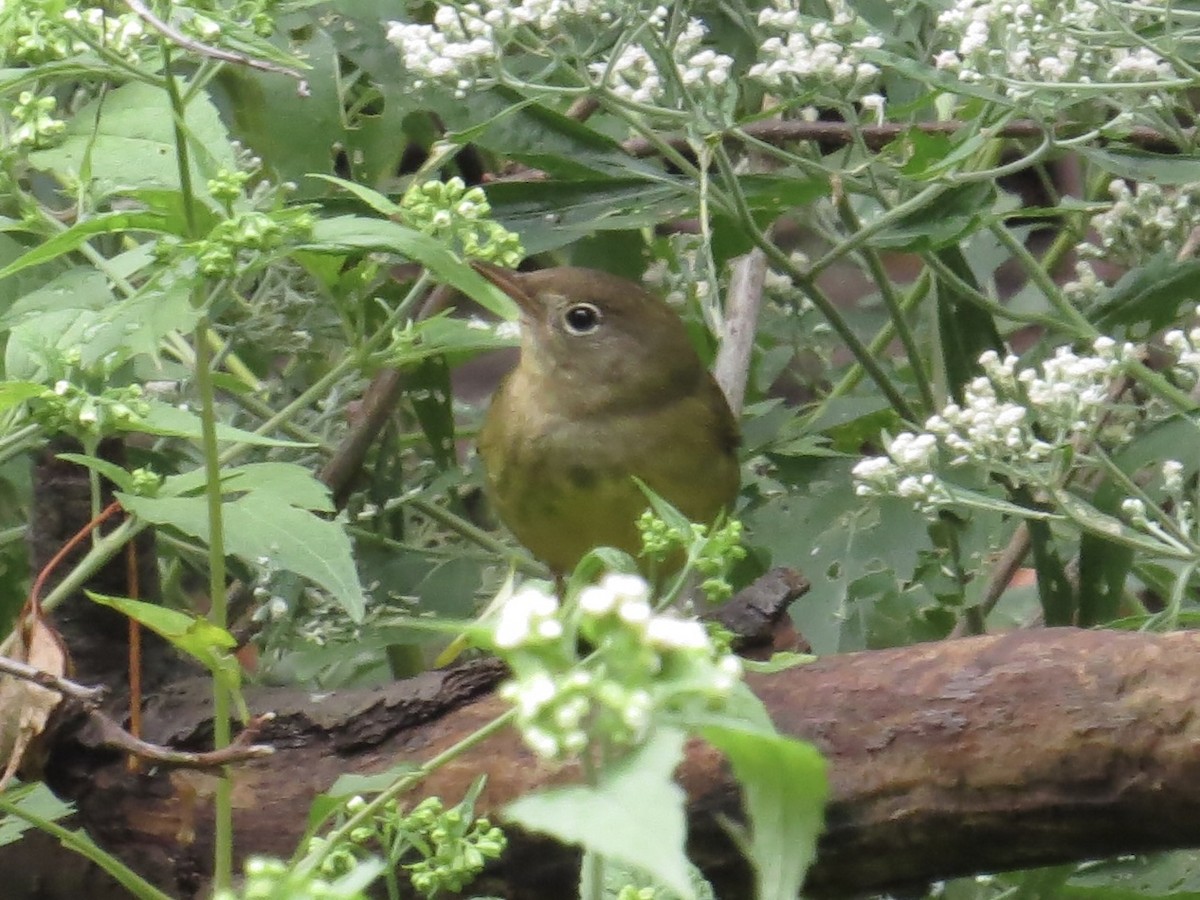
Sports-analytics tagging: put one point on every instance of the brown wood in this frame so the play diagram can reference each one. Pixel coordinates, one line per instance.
(947, 758)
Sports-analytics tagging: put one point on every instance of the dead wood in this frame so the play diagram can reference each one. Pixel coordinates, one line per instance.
(948, 758)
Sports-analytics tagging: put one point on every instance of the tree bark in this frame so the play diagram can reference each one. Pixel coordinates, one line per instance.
(945, 759)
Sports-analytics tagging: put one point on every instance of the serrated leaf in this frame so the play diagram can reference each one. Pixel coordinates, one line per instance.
(265, 532)
(784, 790)
(281, 482)
(37, 800)
(634, 814)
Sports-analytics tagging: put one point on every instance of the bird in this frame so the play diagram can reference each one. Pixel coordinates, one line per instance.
(608, 389)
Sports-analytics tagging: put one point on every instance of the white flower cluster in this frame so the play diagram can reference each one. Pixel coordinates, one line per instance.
(464, 40)
(1010, 420)
(1025, 44)
(1186, 346)
(805, 55)
(635, 76)
(1173, 521)
(1144, 221)
(455, 48)
(643, 662)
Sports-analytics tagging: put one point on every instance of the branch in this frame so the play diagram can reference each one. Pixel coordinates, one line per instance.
(88, 697)
(976, 755)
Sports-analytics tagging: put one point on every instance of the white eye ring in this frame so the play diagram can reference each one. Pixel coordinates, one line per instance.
(581, 318)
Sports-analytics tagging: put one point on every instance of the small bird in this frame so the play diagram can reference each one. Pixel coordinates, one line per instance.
(608, 388)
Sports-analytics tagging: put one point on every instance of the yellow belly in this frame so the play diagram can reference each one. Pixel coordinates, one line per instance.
(565, 487)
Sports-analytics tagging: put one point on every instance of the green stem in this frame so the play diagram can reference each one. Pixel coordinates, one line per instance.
(896, 311)
(476, 535)
(102, 551)
(850, 380)
(18, 442)
(889, 218)
(83, 845)
(1038, 273)
(219, 611)
(339, 371)
(805, 280)
(306, 865)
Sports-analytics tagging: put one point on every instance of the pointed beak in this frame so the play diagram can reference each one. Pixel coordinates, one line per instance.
(509, 282)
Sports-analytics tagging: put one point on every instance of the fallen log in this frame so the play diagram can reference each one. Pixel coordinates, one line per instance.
(972, 755)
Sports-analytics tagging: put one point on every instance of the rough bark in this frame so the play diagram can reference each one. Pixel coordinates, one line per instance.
(971, 755)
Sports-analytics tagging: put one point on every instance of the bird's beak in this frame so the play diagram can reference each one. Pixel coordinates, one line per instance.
(509, 282)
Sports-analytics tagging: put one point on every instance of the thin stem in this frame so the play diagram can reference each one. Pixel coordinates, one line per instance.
(866, 232)
(476, 535)
(218, 592)
(339, 835)
(102, 551)
(17, 442)
(805, 280)
(1039, 275)
(83, 845)
(896, 312)
(339, 371)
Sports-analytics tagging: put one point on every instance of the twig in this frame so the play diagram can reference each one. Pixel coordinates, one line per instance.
(88, 697)
(238, 750)
(742, 304)
(999, 578)
(201, 49)
(35, 593)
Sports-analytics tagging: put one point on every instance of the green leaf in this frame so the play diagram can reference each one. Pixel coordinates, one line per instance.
(264, 532)
(964, 330)
(778, 662)
(784, 789)
(171, 421)
(431, 397)
(14, 393)
(1142, 165)
(382, 204)
(361, 233)
(634, 814)
(1175, 875)
(125, 140)
(79, 234)
(199, 638)
(945, 220)
(1091, 519)
(1150, 294)
(280, 482)
(552, 214)
(110, 470)
(520, 128)
(35, 799)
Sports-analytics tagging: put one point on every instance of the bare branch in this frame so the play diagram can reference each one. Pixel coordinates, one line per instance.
(89, 697)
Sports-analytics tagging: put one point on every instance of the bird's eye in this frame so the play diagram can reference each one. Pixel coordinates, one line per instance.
(581, 318)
